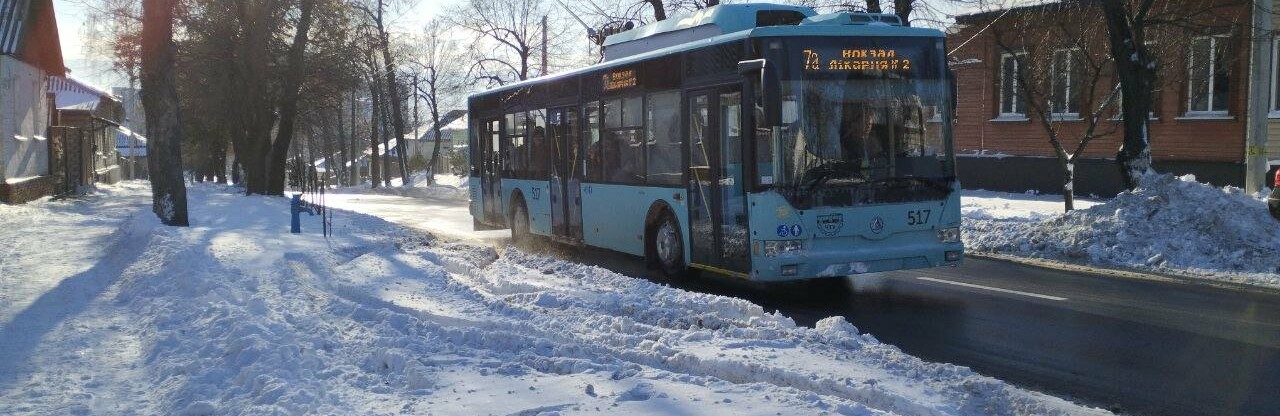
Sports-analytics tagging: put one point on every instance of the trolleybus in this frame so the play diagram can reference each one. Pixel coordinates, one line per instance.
(761, 141)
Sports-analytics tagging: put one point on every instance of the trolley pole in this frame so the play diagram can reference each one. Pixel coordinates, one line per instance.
(1255, 158)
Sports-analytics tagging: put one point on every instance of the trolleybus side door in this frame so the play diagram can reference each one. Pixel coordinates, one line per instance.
(717, 198)
(490, 168)
(566, 203)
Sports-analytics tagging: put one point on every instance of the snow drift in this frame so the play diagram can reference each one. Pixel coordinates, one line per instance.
(1168, 224)
(236, 316)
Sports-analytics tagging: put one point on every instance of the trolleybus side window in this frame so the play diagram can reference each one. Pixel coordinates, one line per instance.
(593, 167)
(623, 153)
(663, 138)
(516, 162)
(539, 146)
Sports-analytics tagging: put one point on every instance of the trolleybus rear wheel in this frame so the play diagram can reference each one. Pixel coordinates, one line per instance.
(520, 225)
(668, 247)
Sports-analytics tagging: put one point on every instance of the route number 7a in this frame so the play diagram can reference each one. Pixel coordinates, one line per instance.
(918, 217)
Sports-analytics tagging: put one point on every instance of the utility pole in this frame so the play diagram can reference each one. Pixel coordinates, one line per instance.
(1255, 158)
(544, 45)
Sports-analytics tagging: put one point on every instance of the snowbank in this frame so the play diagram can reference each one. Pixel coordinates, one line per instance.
(1169, 224)
(446, 187)
(235, 315)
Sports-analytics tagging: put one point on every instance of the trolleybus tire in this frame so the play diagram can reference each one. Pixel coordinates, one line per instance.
(520, 224)
(668, 248)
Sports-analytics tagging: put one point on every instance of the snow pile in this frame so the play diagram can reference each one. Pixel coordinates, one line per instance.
(235, 315)
(446, 187)
(1168, 224)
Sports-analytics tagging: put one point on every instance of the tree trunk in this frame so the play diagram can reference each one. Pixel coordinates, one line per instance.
(1135, 70)
(354, 175)
(659, 11)
(1068, 183)
(374, 135)
(160, 102)
(393, 95)
(903, 9)
(289, 102)
(873, 6)
(435, 130)
(340, 167)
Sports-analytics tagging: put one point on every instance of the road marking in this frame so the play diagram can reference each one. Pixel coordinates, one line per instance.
(994, 289)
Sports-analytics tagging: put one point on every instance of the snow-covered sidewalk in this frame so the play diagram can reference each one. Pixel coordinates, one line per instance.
(105, 311)
(1172, 225)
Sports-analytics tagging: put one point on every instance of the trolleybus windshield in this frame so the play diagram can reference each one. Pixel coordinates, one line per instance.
(862, 122)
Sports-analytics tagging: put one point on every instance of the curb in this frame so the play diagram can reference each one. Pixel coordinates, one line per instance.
(1126, 273)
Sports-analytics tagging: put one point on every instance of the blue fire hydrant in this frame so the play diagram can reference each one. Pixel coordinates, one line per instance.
(296, 206)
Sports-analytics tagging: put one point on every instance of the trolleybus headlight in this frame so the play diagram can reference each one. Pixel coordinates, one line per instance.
(775, 248)
(949, 235)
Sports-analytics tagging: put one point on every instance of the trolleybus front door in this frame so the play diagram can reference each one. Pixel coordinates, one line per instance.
(717, 199)
(490, 167)
(566, 203)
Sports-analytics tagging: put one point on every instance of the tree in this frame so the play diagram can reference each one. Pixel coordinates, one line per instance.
(288, 102)
(441, 81)
(1129, 23)
(1135, 68)
(1062, 80)
(160, 102)
(509, 36)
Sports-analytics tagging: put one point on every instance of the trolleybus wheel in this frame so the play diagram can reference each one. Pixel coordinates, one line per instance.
(520, 225)
(668, 247)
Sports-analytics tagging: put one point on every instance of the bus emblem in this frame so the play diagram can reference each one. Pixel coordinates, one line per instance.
(877, 225)
(830, 224)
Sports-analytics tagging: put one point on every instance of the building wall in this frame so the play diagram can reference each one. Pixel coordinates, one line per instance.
(24, 118)
(1211, 148)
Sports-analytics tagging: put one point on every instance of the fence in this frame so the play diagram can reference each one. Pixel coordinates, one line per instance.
(70, 160)
(303, 177)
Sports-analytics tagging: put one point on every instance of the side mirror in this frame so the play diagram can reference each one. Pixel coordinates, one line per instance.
(955, 99)
(771, 85)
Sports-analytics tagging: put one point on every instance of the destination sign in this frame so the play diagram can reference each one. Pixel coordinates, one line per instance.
(857, 60)
(619, 79)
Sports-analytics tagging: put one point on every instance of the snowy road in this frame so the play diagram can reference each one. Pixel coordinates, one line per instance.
(105, 311)
(1135, 346)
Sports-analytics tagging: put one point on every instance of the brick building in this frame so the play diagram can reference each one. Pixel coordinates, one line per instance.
(1061, 53)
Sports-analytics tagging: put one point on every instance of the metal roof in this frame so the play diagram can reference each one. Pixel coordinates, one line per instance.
(13, 17)
(816, 28)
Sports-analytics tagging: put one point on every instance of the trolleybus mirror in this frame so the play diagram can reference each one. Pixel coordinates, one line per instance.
(772, 94)
(955, 99)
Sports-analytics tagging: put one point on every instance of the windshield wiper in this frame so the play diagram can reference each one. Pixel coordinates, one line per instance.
(941, 185)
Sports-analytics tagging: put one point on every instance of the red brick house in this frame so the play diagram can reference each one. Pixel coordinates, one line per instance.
(1198, 120)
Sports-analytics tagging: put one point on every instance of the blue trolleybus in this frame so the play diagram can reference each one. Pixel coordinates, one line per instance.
(760, 141)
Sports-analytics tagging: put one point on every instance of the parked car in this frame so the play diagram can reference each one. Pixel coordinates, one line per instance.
(1273, 202)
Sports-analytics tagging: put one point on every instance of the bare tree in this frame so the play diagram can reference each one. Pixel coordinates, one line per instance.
(509, 38)
(160, 101)
(1065, 84)
(440, 82)
(288, 102)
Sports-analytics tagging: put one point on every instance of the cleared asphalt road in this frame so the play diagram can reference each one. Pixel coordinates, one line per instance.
(1128, 345)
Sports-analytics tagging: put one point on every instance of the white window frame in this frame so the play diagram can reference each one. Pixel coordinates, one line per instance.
(1019, 112)
(1274, 112)
(1190, 113)
(1055, 76)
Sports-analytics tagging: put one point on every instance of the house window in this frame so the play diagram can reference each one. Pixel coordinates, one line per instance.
(1275, 68)
(1068, 76)
(1012, 100)
(1209, 76)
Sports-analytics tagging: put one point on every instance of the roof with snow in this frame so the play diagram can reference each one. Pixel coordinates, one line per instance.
(130, 144)
(75, 94)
